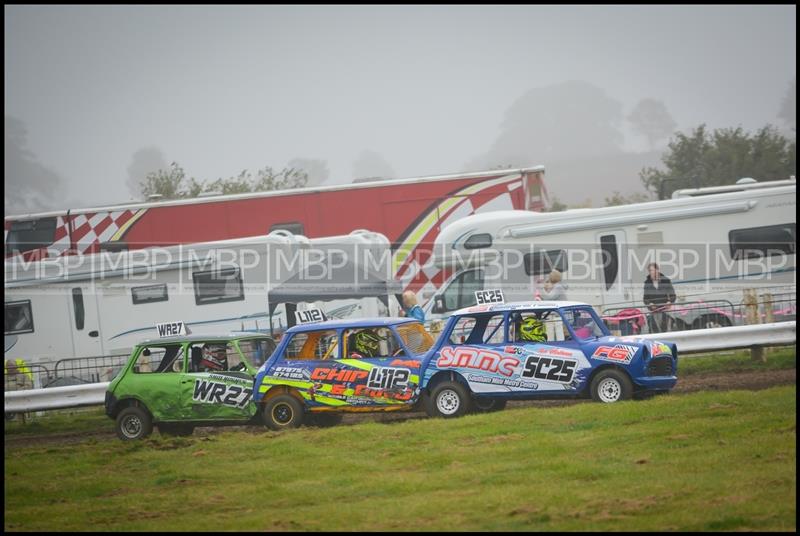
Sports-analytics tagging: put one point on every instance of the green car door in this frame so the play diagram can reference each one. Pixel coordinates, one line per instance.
(217, 383)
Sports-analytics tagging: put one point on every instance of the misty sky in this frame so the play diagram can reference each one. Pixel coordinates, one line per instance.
(221, 89)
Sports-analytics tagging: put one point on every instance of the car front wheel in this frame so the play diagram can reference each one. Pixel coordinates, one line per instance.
(611, 386)
(449, 399)
(134, 423)
(282, 412)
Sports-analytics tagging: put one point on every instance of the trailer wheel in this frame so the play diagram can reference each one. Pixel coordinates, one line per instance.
(282, 412)
(134, 423)
(449, 399)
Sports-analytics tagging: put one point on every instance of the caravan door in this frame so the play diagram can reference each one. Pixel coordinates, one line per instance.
(612, 268)
(85, 320)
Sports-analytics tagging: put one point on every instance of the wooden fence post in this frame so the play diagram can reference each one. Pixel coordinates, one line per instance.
(752, 317)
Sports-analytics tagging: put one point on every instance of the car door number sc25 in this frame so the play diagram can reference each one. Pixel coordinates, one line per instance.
(549, 368)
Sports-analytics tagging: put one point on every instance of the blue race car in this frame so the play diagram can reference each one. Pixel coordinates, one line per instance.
(485, 355)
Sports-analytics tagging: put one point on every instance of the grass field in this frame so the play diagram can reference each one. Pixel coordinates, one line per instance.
(702, 461)
(776, 358)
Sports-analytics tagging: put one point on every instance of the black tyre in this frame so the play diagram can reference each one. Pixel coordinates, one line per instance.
(175, 429)
(282, 412)
(611, 386)
(133, 423)
(488, 405)
(449, 399)
(323, 420)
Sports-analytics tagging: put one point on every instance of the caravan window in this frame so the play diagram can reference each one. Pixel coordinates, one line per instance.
(149, 294)
(29, 235)
(762, 241)
(218, 286)
(544, 262)
(19, 318)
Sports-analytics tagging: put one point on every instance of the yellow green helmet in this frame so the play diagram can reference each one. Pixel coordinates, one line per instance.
(367, 343)
(532, 329)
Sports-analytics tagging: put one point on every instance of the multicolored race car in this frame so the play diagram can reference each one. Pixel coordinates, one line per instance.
(485, 355)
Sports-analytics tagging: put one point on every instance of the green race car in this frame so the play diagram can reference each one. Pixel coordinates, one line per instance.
(180, 382)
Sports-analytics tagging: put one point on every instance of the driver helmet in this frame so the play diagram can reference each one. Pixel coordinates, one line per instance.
(367, 343)
(532, 329)
(214, 358)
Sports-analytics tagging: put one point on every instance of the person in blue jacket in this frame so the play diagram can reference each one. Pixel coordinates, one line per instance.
(411, 308)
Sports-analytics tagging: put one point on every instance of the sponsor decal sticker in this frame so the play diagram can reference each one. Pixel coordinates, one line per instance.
(209, 392)
(659, 348)
(619, 353)
(551, 369)
(477, 358)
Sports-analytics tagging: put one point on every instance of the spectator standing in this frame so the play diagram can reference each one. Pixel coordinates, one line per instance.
(658, 296)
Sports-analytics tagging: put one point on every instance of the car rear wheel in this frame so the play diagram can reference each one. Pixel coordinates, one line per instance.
(449, 399)
(133, 423)
(175, 429)
(488, 405)
(282, 412)
(611, 386)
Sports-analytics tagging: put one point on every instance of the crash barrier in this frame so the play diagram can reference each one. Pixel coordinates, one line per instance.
(78, 370)
(708, 340)
(694, 315)
(20, 376)
(692, 341)
(72, 396)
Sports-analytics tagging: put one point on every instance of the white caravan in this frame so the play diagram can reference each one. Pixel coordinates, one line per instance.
(102, 304)
(711, 242)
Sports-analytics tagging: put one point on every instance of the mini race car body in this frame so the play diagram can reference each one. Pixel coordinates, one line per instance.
(480, 360)
(485, 350)
(342, 365)
(180, 382)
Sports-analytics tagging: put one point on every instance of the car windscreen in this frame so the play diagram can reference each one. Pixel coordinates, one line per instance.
(415, 337)
(583, 323)
(256, 351)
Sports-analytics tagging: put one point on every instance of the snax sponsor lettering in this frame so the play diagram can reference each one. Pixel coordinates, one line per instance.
(477, 358)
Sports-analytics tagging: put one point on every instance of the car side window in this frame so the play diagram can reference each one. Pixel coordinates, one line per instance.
(159, 359)
(371, 342)
(538, 326)
(478, 330)
(321, 344)
(214, 356)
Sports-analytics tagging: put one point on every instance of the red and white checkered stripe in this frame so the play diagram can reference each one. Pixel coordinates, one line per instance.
(415, 273)
(90, 230)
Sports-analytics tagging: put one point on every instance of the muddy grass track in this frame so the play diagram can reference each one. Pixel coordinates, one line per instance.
(718, 381)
